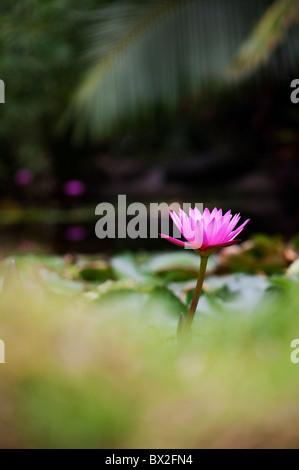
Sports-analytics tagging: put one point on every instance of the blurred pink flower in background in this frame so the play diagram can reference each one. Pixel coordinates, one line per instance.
(74, 188)
(23, 177)
(76, 233)
(206, 232)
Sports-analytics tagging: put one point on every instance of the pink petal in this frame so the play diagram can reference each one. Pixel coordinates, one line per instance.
(181, 215)
(233, 222)
(222, 231)
(205, 240)
(211, 231)
(198, 214)
(206, 215)
(192, 219)
(175, 241)
(187, 231)
(236, 232)
(176, 220)
(214, 212)
(227, 216)
(198, 233)
(219, 215)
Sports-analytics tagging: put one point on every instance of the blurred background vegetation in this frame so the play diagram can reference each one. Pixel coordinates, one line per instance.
(172, 101)
(185, 101)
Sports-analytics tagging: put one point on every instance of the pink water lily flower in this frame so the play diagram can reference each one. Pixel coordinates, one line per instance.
(206, 232)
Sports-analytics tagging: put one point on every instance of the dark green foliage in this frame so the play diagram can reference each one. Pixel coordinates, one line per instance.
(39, 43)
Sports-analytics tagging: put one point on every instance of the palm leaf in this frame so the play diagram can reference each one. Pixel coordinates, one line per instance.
(270, 31)
(139, 54)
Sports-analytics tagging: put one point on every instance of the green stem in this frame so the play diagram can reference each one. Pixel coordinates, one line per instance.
(198, 289)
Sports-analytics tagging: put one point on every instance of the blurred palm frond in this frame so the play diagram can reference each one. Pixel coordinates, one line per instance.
(269, 32)
(139, 54)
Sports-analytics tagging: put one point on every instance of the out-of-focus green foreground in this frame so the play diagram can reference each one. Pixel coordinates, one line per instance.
(85, 375)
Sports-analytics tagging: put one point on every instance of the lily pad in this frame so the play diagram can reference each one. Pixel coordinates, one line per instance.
(238, 292)
(96, 272)
(176, 266)
(124, 266)
(148, 305)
